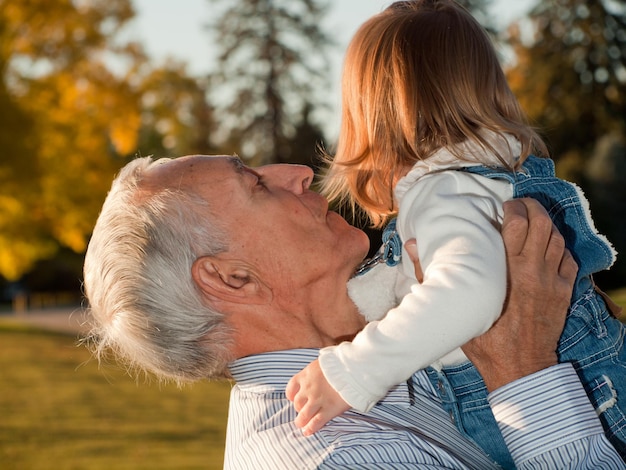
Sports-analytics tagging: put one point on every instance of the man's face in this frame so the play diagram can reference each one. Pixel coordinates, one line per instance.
(274, 221)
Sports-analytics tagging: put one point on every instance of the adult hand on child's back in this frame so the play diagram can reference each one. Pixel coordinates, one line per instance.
(411, 249)
(541, 277)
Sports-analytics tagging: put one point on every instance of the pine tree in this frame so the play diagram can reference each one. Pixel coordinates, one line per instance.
(272, 64)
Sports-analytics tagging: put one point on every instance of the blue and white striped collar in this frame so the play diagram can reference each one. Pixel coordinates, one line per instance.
(270, 372)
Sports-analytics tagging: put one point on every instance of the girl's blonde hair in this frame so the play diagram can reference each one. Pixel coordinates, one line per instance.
(419, 76)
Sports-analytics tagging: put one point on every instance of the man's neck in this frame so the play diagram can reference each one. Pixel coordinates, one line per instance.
(308, 318)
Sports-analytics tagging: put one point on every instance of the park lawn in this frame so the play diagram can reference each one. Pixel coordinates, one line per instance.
(60, 410)
(619, 297)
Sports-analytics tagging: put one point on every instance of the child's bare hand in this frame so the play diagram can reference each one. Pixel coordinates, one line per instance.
(314, 399)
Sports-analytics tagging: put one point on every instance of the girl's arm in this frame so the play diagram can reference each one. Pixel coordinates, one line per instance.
(455, 218)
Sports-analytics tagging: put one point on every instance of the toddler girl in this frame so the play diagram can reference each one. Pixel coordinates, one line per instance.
(431, 131)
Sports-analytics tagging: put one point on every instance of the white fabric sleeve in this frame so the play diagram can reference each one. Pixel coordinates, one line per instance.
(453, 216)
(548, 422)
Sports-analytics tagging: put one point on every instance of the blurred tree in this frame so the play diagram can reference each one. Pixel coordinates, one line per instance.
(64, 109)
(604, 180)
(176, 116)
(76, 103)
(272, 64)
(570, 76)
(480, 11)
(307, 139)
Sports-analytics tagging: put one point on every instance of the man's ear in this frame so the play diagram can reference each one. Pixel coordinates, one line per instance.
(229, 280)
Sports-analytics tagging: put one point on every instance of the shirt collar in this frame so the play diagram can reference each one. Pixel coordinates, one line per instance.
(270, 372)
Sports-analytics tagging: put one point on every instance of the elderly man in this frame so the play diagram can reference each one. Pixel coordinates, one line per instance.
(201, 267)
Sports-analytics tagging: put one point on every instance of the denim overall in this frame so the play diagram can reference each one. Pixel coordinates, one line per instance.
(593, 339)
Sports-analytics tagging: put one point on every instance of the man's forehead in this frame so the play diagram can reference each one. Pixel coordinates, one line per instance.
(192, 166)
(190, 161)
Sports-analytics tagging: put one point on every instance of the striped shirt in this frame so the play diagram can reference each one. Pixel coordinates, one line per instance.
(546, 419)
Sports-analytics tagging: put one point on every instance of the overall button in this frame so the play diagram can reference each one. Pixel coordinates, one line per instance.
(441, 387)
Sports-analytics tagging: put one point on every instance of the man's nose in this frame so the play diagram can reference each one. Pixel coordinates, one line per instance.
(295, 178)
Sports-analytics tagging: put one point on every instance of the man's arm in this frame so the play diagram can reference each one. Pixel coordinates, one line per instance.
(541, 407)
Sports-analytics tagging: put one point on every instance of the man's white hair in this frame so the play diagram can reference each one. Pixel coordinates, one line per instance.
(144, 303)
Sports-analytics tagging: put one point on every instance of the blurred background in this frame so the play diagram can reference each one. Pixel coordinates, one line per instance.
(87, 85)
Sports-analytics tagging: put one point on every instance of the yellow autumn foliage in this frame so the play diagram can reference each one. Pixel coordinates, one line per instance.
(73, 111)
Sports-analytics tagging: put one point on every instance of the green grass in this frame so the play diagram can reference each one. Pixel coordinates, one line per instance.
(619, 297)
(60, 410)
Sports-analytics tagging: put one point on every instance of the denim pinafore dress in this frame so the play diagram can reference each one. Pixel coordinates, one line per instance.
(593, 339)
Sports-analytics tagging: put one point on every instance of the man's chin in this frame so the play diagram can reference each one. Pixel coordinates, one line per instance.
(353, 237)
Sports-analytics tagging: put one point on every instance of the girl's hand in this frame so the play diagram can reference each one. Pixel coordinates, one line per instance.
(314, 399)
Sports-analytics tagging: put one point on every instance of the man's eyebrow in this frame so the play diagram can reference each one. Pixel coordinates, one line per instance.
(237, 164)
(240, 167)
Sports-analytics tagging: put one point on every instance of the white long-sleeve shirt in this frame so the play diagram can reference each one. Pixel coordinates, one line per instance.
(455, 218)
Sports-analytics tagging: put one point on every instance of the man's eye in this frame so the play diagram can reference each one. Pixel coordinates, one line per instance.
(261, 182)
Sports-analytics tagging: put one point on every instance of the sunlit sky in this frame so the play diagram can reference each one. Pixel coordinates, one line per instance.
(177, 29)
